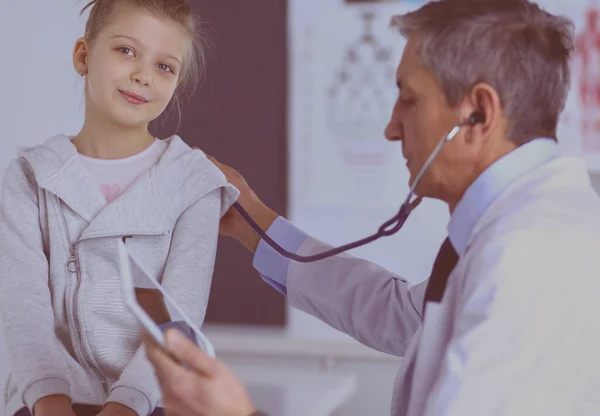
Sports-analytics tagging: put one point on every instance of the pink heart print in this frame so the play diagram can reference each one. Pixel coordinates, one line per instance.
(111, 192)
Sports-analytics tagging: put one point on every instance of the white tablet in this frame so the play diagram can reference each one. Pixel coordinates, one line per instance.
(129, 285)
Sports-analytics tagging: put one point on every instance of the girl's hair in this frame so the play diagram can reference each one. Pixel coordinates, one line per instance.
(177, 11)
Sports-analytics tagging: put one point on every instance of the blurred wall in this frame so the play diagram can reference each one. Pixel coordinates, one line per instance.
(239, 116)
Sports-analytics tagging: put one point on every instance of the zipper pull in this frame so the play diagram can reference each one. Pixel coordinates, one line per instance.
(72, 263)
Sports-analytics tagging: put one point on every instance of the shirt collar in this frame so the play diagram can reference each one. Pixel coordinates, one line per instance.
(492, 182)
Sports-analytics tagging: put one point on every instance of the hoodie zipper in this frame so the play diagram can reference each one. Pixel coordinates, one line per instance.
(73, 268)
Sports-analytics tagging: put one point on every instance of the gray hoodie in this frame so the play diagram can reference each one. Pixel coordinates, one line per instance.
(67, 330)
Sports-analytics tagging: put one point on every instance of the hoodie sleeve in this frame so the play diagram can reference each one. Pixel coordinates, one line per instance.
(187, 279)
(37, 363)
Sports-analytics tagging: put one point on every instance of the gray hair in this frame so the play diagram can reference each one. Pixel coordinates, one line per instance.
(520, 50)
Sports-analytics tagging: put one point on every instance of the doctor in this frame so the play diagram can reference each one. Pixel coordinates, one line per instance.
(507, 322)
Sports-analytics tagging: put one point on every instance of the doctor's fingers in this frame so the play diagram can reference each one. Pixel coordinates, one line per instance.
(182, 389)
(233, 176)
(189, 354)
(164, 365)
(184, 393)
(181, 353)
(205, 387)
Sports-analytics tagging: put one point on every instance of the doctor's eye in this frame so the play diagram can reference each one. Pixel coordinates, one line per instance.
(406, 102)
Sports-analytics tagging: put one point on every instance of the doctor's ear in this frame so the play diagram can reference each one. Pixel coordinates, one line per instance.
(486, 106)
(484, 113)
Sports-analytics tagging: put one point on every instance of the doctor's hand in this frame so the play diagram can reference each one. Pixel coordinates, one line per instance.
(232, 223)
(204, 387)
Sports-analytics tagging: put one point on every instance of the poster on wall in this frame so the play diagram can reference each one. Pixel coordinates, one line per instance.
(580, 123)
(343, 57)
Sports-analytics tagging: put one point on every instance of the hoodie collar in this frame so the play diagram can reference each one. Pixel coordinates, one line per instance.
(150, 206)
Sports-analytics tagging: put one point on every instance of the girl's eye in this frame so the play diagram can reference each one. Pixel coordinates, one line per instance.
(166, 68)
(126, 51)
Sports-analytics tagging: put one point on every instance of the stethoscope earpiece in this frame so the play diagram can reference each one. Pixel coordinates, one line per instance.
(476, 118)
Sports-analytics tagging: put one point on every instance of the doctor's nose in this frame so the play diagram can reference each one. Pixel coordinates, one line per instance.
(395, 127)
(393, 131)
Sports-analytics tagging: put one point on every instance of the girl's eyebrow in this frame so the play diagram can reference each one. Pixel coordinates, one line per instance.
(126, 37)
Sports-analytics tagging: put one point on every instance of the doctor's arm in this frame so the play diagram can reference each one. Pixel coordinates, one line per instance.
(371, 304)
(523, 339)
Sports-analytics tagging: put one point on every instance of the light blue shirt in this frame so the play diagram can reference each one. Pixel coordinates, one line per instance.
(483, 191)
(492, 182)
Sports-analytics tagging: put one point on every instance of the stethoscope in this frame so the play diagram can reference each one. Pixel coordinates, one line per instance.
(390, 227)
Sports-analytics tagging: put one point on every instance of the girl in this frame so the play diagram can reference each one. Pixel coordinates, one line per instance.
(70, 341)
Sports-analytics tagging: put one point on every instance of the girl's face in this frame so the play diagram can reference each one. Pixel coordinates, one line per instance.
(133, 67)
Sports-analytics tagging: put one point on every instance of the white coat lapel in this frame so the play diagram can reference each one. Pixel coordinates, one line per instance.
(404, 378)
(437, 330)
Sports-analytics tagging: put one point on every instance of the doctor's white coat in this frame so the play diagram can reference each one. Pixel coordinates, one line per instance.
(517, 332)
